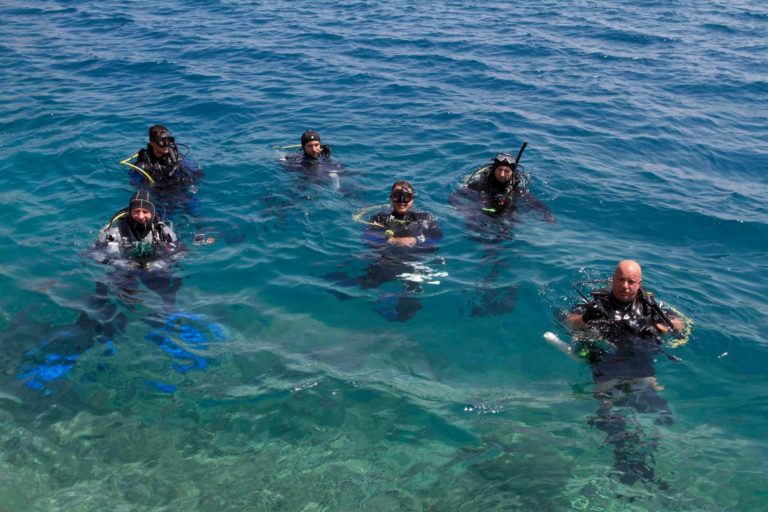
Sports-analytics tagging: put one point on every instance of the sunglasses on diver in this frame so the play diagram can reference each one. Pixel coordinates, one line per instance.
(505, 159)
(402, 196)
(164, 141)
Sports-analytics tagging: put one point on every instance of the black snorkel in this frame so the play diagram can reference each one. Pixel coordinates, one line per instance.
(581, 283)
(651, 301)
(520, 154)
(586, 299)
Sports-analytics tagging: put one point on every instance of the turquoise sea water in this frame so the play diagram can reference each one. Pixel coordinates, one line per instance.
(646, 124)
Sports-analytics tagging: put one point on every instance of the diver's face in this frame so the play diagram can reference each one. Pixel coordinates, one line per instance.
(158, 149)
(401, 199)
(313, 148)
(503, 173)
(141, 215)
(626, 283)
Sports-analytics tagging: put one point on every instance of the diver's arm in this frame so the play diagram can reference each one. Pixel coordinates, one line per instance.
(458, 197)
(677, 323)
(432, 234)
(583, 314)
(375, 235)
(576, 321)
(140, 171)
(167, 232)
(376, 231)
(403, 241)
(533, 203)
(190, 167)
(108, 246)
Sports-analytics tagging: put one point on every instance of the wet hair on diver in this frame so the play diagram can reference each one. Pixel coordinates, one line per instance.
(157, 131)
(401, 183)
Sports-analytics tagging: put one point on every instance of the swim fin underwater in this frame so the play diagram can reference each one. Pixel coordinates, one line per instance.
(494, 300)
(623, 402)
(392, 306)
(57, 355)
(397, 308)
(185, 337)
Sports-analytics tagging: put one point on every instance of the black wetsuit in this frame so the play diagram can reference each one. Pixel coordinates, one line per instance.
(627, 355)
(503, 198)
(302, 162)
(498, 195)
(391, 262)
(159, 240)
(630, 327)
(419, 225)
(169, 171)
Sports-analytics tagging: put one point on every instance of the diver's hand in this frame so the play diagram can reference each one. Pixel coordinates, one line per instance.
(594, 312)
(677, 325)
(403, 241)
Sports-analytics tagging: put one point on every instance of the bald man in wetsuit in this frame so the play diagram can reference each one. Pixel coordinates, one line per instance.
(623, 303)
(632, 324)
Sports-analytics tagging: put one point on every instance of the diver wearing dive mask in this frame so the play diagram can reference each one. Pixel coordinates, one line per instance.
(163, 161)
(503, 186)
(402, 226)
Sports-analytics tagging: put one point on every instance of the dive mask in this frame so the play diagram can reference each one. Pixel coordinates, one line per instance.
(402, 196)
(164, 141)
(504, 159)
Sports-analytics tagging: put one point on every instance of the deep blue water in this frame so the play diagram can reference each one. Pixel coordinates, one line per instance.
(648, 138)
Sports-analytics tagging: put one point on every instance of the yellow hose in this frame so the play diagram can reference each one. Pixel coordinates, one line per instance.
(142, 171)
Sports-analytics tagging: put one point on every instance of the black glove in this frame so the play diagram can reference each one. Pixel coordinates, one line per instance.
(594, 312)
(650, 331)
(326, 151)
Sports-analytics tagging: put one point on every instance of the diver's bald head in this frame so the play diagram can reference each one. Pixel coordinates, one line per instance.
(629, 266)
(627, 279)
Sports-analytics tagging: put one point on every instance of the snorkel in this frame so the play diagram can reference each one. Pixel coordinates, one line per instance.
(520, 153)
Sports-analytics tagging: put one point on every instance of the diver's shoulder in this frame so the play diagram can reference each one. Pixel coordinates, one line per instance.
(478, 178)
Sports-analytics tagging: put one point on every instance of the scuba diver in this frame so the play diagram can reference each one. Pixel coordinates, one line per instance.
(314, 162)
(401, 226)
(312, 148)
(398, 235)
(138, 241)
(137, 233)
(619, 333)
(625, 309)
(503, 186)
(138, 245)
(162, 167)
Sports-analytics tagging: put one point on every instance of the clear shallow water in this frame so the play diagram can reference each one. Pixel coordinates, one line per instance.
(646, 129)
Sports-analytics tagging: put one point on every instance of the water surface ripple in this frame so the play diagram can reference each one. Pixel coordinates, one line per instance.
(647, 134)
